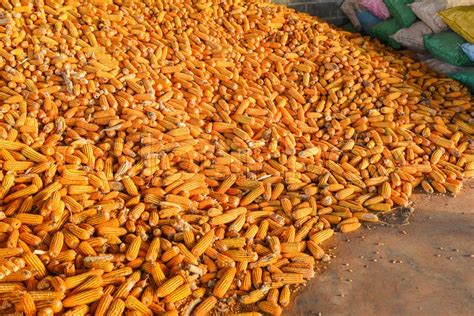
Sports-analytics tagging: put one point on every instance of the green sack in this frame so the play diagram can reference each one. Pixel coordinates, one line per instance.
(349, 27)
(401, 11)
(446, 46)
(384, 30)
(466, 77)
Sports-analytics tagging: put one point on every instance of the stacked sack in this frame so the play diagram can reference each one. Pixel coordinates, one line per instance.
(440, 31)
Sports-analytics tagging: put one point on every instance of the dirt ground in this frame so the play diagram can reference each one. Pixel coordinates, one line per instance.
(425, 267)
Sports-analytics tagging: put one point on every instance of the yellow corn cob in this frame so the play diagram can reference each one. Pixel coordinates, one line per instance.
(169, 286)
(241, 255)
(203, 243)
(153, 250)
(257, 277)
(315, 250)
(335, 167)
(304, 231)
(270, 308)
(273, 295)
(157, 274)
(224, 283)
(436, 155)
(443, 142)
(380, 207)
(80, 189)
(229, 243)
(17, 165)
(188, 256)
(73, 281)
(285, 293)
(33, 155)
(116, 308)
(28, 304)
(56, 244)
(124, 288)
(58, 284)
(375, 200)
(453, 187)
(25, 192)
(92, 282)
(29, 219)
(277, 191)
(130, 186)
(179, 294)
(302, 212)
(228, 216)
(35, 262)
(288, 278)
(275, 244)
(133, 248)
(78, 310)
(262, 230)
(134, 304)
(349, 220)
(346, 228)
(427, 187)
(254, 296)
(386, 190)
(323, 235)
(188, 237)
(170, 254)
(252, 230)
(205, 307)
(85, 297)
(252, 195)
(45, 295)
(292, 247)
(438, 187)
(344, 193)
(376, 181)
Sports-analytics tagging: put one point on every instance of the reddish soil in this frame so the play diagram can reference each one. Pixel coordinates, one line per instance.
(425, 267)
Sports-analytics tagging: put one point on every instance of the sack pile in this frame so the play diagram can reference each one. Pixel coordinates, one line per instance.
(440, 29)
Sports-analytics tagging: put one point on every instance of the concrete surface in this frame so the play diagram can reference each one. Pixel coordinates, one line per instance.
(423, 268)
